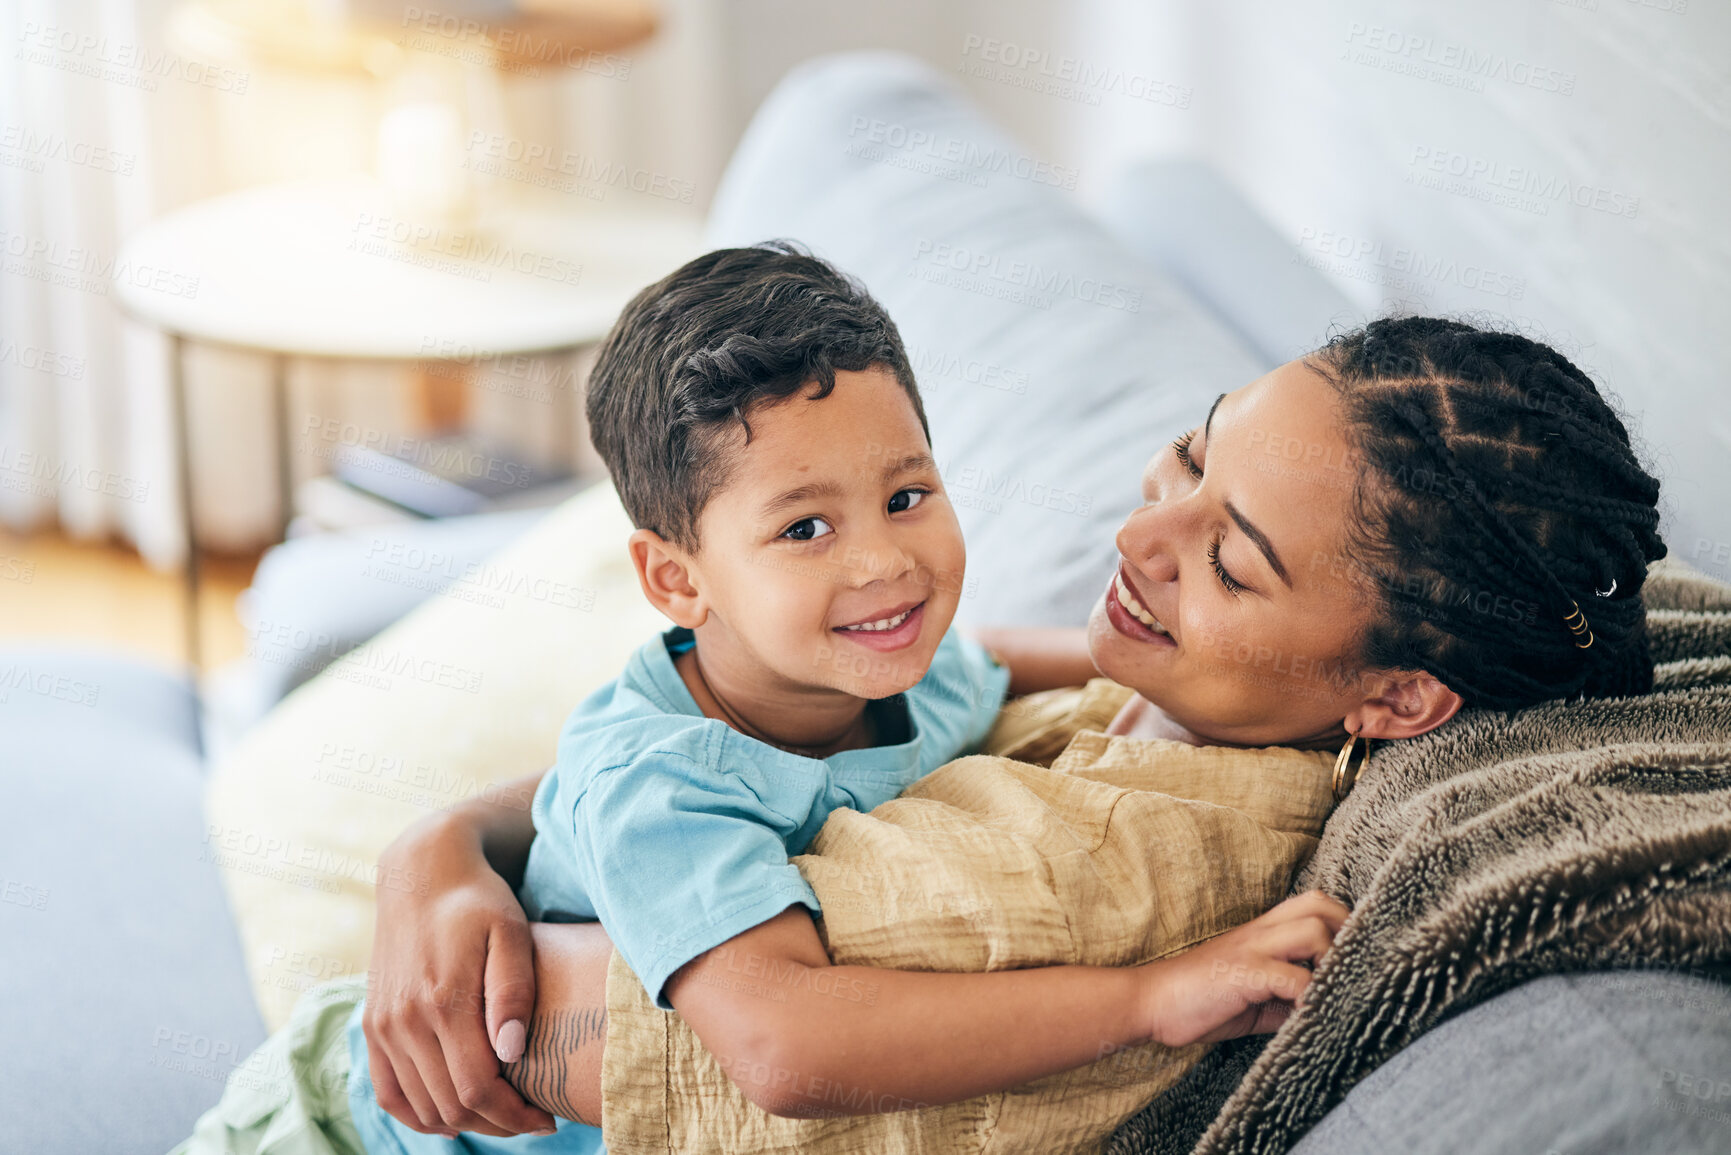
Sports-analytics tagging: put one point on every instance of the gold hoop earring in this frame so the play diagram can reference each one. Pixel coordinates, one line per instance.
(1343, 783)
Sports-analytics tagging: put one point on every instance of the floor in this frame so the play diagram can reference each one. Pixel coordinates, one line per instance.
(103, 594)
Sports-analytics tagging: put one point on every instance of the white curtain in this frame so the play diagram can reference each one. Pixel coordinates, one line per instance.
(82, 393)
(93, 145)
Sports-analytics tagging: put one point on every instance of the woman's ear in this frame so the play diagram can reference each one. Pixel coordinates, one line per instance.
(669, 578)
(1405, 704)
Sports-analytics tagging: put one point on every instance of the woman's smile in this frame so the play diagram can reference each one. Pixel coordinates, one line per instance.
(1130, 617)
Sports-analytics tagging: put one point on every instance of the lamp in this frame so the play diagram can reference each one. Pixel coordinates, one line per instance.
(422, 62)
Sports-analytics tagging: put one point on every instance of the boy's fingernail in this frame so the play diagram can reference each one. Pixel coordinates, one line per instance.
(548, 1131)
(509, 1044)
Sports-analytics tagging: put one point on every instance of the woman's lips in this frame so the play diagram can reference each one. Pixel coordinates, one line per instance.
(902, 635)
(1126, 622)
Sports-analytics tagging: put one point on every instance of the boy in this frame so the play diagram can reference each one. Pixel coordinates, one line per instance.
(760, 420)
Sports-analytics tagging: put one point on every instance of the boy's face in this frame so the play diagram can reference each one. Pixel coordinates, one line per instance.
(831, 556)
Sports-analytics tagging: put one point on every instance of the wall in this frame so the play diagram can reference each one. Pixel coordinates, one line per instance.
(1561, 167)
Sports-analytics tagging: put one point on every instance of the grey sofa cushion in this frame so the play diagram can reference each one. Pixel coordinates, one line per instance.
(125, 999)
(1185, 217)
(1052, 362)
(315, 598)
(1630, 1061)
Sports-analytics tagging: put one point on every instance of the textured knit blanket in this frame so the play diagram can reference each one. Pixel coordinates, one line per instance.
(1502, 846)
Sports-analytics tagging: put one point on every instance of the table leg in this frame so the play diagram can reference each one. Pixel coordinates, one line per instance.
(183, 462)
(284, 462)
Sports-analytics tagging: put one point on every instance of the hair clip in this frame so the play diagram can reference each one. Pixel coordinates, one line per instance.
(1579, 628)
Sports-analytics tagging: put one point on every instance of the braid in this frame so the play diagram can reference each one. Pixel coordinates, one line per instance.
(1500, 493)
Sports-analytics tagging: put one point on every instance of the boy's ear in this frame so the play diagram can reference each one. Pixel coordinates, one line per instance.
(666, 574)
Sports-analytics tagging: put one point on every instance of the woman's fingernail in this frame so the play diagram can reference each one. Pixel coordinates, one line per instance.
(548, 1131)
(509, 1044)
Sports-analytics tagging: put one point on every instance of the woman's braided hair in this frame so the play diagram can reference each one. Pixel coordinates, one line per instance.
(1498, 492)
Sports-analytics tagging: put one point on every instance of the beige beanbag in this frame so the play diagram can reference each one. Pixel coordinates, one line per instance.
(468, 691)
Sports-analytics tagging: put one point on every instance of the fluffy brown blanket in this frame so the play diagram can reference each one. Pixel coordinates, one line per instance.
(1502, 846)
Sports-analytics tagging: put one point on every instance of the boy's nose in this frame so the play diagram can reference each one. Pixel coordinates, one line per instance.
(880, 559)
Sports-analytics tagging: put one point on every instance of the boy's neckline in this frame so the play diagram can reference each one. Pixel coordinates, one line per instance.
(882, 723)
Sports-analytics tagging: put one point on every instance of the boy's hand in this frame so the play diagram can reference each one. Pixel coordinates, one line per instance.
(452, 968)
(1244, 982)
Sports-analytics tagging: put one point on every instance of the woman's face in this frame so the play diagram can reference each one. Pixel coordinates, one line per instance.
(1235, 556)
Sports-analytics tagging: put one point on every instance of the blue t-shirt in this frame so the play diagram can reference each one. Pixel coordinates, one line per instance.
(675, 830)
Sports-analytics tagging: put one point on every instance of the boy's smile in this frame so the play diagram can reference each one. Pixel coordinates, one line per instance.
(828, 567)
(890, 632)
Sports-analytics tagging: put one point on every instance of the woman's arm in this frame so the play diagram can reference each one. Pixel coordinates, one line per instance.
(452, 981)
(499, 819)
(1040, 658)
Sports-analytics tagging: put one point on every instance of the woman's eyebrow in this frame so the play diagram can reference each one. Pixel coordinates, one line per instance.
(1260, 540)
(1210, 421)
(1257, 537)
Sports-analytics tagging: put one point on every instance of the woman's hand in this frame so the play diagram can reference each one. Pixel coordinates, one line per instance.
(1246, 981)
(451, 987)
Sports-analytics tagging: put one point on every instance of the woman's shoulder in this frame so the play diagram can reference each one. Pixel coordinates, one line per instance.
(1036, 727)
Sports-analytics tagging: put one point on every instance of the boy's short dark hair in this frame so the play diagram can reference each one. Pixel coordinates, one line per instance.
(694, 352)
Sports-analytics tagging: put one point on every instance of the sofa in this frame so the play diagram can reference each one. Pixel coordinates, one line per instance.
(1056, 348)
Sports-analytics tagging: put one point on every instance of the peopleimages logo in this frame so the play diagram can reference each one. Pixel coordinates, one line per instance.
(1364, 259)
(970, 155)
(425, 28)
(1066, 77)
(1448, 62)
(75, 267)
(118, 61)
(1518, 186)
(1024, 282)
(496, 154)
(35, 147)
(473, 255)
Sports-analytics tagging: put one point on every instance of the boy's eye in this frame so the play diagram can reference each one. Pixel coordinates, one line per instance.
(906, 499)
(807, 529)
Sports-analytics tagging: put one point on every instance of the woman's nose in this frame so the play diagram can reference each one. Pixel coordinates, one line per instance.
(1146, 540)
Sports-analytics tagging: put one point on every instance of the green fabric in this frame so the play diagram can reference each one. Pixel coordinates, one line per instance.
(291, 1095)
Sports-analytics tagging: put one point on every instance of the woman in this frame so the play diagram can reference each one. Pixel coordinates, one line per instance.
(1417, 518)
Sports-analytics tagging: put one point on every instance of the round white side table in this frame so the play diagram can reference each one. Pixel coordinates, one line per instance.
(326, 269)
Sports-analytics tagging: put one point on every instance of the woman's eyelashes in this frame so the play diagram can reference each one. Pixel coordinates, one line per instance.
(1181, 448)
(1226, 579)
(812, 528)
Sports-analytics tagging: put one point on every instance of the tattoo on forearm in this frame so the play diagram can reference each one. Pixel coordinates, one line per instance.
(556, 1039)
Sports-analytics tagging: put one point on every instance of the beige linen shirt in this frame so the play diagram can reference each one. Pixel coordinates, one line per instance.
(1060, 844)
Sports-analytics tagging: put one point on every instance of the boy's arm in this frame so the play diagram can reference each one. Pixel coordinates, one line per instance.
(1040, 658)
(560, 1070)
(789, 1028)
